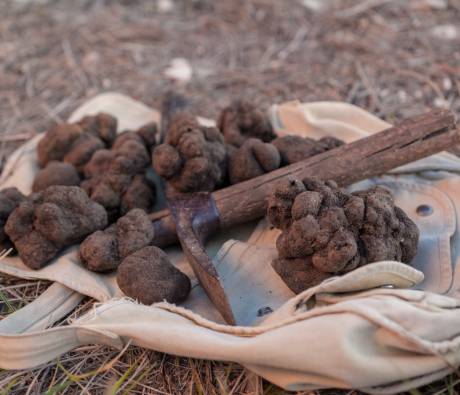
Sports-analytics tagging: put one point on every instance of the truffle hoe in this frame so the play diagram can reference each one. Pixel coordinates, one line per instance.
(192, 217)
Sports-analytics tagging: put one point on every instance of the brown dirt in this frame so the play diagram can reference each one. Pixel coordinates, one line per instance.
(392, 58)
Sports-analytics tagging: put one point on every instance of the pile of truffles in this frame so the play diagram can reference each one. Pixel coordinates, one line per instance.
(196, 158)
(253, 148)
(193, 157)
(48, 221)
(110, 168)
(328, 231)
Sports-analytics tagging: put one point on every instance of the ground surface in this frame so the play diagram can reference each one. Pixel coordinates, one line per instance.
(393, 58)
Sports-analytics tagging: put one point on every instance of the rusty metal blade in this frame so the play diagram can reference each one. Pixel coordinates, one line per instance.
(196, 216)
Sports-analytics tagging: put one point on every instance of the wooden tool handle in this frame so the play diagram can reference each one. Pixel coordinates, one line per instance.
(413, 139)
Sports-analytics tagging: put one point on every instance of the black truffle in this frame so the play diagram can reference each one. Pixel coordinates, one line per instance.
(116, 178)
(76, 143)
(56, 173)
(103, 250)
(10, 198)
(149, 277)
(193, 157)
(294, 148)
(242, 120)
(252, 159)
(50, 220)
(334, 231)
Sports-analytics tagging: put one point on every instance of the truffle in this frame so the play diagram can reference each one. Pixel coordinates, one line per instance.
(50, 220)
(57, 142)
(334, 231)
(101, 125)
(56, 173)
(242, 120)
(116, 179)
(76, 143)
(149, 277)
(193, 157)
(252, 159)
(294, 148)
(149, 133)
(10, 198)
(103, 250)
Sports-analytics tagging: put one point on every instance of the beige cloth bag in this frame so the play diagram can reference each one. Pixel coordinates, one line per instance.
(365, 330)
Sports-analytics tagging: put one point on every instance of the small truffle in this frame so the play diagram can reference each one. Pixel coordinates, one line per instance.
(294, 148)
(57, 142)
(334, 232)
(149, 133)
(103, 250)
(252, 159)
(242, 120)
(56, 173)
(101, 125)
(10, 198)
(50, 220)
(193, 158)
(149, 277)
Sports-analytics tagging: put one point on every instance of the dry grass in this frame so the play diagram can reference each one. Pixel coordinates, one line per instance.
(394, 58)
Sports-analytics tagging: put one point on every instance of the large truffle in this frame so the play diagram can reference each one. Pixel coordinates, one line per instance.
(116, 178)
(242, 120)
(75, 143)
(252, 159)
(104, 250)
(55, 173)
(327, 230)
(149, 277)
(293, 148)
(193, 157)
(10, 198)
(51, 220)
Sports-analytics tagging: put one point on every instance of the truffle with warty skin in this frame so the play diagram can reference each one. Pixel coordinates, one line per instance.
(242, 120)
(193, 157)
(334, 231)
(48, 221)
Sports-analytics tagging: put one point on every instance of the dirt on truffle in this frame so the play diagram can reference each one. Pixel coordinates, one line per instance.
(293, 148)
(193, 157)
(252, 159)
(148, 276)
(10, 198)
(76, 143)
(55, 173)
(50, 220)
(334, 231)
(242, 120)
(103, 250)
